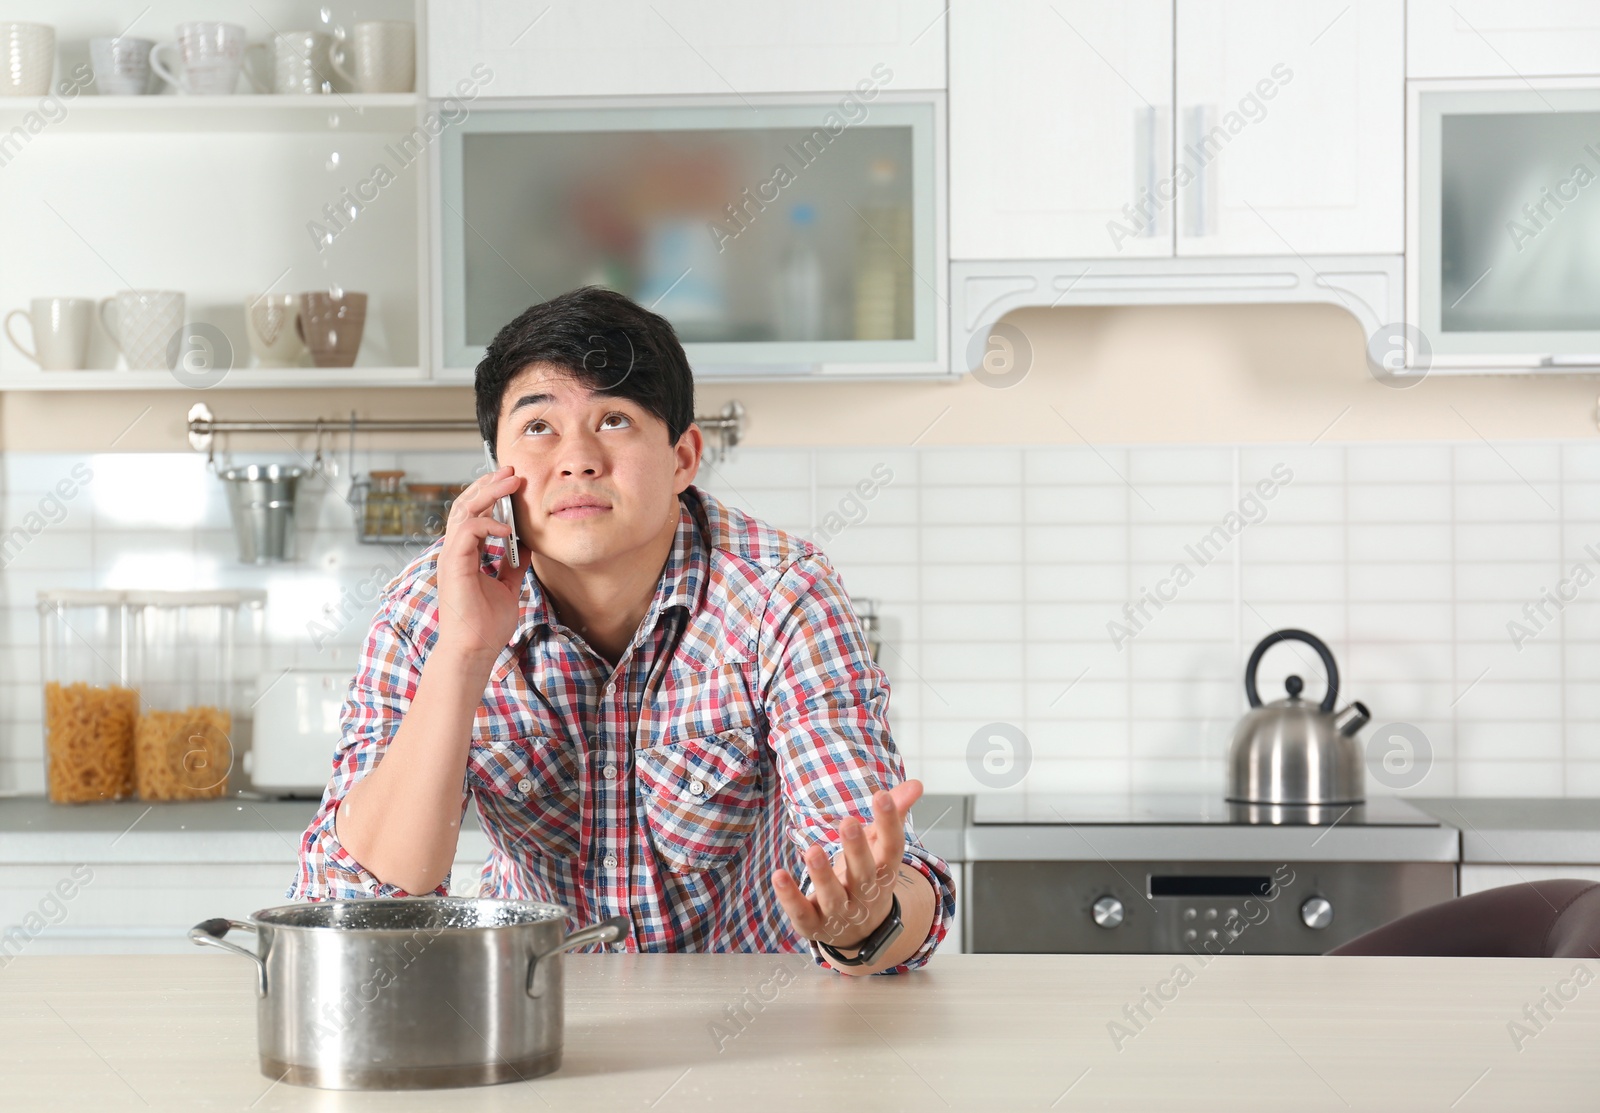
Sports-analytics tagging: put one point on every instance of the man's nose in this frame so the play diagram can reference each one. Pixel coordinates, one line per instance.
(581, 455)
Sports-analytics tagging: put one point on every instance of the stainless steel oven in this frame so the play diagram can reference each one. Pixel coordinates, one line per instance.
(1174, 874)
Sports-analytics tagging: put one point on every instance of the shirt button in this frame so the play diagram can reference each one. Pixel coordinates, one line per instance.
(609, 772)
(610, 861)
(524, 786)
(697, 787)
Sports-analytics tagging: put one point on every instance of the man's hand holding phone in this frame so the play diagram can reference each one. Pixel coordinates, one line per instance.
(478, 612)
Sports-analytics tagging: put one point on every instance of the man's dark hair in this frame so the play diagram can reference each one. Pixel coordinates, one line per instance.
(606, 341)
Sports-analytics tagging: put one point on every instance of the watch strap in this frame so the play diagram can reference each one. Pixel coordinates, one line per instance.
(880, 937)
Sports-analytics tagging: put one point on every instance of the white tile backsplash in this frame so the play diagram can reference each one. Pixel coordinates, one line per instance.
(1031, 586)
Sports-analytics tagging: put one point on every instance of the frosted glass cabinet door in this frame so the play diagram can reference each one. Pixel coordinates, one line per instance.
(569, 48)
(1060, 129)
(1508, 218)
(776, 240)
(1291, 125)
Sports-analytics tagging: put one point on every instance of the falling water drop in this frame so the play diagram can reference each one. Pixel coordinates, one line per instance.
(333, 161)
(352, 211)
(335, 291)
(327, 240)
(333, 119)
(326, 13)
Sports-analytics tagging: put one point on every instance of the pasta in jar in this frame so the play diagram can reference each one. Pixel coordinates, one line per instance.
(89, 741)
(183, 755)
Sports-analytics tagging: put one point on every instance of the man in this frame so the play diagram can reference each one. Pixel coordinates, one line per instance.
(664, 708)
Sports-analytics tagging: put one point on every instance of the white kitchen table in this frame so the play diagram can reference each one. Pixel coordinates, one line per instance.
(984, 1032)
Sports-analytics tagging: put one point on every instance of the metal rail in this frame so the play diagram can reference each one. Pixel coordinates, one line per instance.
(725, 428)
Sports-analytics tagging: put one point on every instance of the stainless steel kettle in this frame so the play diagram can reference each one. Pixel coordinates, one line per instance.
(1293, 751)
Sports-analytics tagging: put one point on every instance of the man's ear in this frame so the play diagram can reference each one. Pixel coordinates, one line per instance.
(687, 451)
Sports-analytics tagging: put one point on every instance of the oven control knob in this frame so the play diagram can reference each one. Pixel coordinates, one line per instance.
(1108, 912)
(1316, 913)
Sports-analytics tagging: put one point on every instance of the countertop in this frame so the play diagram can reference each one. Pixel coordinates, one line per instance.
(989, 1032)
(1558, 831)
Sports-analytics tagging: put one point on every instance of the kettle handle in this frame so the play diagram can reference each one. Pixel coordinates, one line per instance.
(1314, 642)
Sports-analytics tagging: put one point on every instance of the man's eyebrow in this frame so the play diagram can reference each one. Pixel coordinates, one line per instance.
(531, 400)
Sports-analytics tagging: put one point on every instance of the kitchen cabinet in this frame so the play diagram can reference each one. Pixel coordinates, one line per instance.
(1060, 124)
(1292, 122)
(1493, 38)
(1195, 127)
(673, 47)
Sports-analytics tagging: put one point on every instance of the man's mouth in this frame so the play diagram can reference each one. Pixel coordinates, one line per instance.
(579, 506)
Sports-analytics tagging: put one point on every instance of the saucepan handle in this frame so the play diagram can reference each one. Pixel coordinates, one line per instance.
(209, 933)
(606, 931)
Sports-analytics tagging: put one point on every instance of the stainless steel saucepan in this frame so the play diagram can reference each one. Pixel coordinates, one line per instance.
(408, 992)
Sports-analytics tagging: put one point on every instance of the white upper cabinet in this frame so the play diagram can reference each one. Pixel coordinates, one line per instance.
(1497, 38)
(710, 47)
(1060, 128)
(1290, 127)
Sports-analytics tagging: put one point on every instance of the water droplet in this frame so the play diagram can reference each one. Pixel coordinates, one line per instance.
(327, 239)
(333, 161)
(333, 119)
(335, 291)
(333, 338)
(352, 210)
(326, 13)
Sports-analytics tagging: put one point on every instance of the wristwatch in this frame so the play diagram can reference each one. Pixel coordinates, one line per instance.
(867, 950)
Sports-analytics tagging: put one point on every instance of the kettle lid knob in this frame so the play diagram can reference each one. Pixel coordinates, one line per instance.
(1294, 685)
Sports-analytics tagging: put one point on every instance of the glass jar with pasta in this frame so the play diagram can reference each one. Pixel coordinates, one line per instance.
(188, 648)
(90, 702)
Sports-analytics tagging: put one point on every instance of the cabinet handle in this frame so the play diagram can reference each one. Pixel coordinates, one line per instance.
(1198, 216)
(1152, 189)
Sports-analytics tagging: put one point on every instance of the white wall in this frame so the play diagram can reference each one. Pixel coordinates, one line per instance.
(998, 570)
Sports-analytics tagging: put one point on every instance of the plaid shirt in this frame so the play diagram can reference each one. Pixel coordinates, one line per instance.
(745, 717)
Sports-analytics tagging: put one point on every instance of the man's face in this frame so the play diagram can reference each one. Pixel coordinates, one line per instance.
(600, 476)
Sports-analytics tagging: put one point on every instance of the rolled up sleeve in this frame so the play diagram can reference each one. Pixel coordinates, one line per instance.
(380, 693)
(827, 705)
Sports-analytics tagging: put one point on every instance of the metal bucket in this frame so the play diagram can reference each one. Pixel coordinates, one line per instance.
(409, 992)
(261, 499)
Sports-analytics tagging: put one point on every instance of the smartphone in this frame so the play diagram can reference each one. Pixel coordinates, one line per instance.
(502, 509)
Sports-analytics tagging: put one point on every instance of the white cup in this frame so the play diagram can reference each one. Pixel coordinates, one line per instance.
(299, 61)
(149, 327)
(27, 59)
(60, 332)
(379, 57)
(212, 54)
(270, 324)
(121, 65)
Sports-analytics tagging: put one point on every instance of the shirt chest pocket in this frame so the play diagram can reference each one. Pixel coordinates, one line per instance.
(530, 784)
(702, 797)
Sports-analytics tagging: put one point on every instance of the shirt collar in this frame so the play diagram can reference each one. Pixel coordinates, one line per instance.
(682, 584)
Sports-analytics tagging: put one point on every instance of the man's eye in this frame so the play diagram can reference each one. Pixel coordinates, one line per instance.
(536, 427)
(615, 421)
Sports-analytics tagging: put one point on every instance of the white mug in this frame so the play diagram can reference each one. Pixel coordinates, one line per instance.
(300, 62)
(149, 327)
(60, 332)
(213, 58)
(269, 321)
(385, 57)
(121, 65)
(27, 59)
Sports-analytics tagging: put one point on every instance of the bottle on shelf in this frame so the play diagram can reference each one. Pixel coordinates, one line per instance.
(883, 258)
(799, 312)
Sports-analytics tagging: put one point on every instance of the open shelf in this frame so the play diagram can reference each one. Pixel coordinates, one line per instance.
(244, 112)
(240, 378)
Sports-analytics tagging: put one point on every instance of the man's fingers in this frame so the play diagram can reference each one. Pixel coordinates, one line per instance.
(888, 829)
(796, 905)
(860, 864)
(481, 493)
(829, 891)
